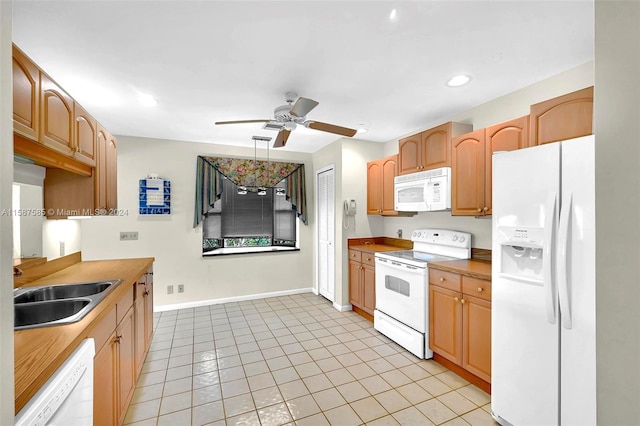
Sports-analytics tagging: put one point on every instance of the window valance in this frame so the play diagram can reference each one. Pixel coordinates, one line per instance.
(249, 173)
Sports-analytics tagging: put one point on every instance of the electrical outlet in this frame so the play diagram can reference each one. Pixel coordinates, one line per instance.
(180, 288)
(169, 289)
(128, 236)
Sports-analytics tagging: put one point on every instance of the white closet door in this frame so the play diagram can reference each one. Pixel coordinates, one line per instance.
(326, 232)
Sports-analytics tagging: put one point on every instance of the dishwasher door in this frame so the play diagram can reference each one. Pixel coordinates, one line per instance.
(67, 397)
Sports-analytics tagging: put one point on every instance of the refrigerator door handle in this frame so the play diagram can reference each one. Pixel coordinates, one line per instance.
(563, 257)
(547, 259)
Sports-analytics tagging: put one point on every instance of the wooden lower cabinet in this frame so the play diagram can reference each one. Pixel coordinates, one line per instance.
(362, 282)
(125, 344)
(460, 321)
(122, 342)
(104, 384)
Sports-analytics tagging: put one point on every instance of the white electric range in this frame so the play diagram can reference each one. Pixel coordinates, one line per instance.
(402, 286)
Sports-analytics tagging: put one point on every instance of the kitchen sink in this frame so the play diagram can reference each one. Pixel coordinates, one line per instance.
(58, 304)
(62, 291)
(51, 312)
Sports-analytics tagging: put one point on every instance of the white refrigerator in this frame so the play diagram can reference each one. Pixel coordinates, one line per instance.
(543, 285)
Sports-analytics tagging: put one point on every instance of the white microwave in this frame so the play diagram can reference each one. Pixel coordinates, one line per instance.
(426, 191)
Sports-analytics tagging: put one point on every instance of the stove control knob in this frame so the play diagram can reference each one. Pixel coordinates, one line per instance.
(415, 234)
(462, 239)
(455, 237)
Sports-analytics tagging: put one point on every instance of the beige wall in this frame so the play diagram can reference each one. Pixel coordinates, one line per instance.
(510, 106)
(6, 228)
(173, 241)
(617, 130)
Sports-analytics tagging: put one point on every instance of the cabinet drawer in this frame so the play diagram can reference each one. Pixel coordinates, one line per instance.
(476, 287)
(368, 259)
(104, 329)
(444, 279)
(355, 255)
(124, 305)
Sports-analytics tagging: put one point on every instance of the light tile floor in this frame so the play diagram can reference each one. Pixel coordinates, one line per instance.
(292, 360)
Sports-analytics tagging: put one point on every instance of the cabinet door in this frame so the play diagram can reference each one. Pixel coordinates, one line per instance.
(468, 175)
(436, 147)
(140, 322)
(126, 363)
(148, 312)
(477, 337)
(368, 288)
(409, 154)
(507, 136)
(374, 193)
(104, 384)
(85, 136)
(565, 117)
(389, 171)
(105, 180)
(445, 323)
(26, 95)
(355, 283)
(112, 173)
(56, 117)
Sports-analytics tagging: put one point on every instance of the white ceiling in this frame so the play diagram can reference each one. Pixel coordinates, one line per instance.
(207, 61)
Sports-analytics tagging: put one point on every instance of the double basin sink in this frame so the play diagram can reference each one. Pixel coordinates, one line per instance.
(58, 304)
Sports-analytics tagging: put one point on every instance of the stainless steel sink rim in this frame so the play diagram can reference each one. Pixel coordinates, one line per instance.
(93, 300)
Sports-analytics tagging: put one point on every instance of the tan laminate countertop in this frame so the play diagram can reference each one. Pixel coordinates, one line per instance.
(470, 267)
(38, 352)
(372, 248)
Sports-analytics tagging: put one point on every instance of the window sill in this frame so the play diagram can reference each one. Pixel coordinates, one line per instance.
(247, 250)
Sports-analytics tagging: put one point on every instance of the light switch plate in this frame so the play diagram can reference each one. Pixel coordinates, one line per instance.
(128, 236)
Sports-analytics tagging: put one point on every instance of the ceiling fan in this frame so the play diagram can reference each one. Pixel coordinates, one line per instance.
(288, 117)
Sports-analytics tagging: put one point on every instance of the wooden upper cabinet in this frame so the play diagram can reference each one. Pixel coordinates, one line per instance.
(565, 117)
(86, 133)
(389, 172)
(56, 117)
(468, 174)
(410, 154)
(105, 177)
(436, 147)
(430, 149)
(374, 195)
(507, 136)
(380, 175)
(26, 95)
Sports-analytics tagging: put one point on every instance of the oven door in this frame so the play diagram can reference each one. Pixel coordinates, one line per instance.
(401, 292)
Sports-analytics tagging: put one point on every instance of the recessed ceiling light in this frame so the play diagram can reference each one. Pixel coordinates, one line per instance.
(362, 130)
(458, 80)
(147, 100)
(393, 14)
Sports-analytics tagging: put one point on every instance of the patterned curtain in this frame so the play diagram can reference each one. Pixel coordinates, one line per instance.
(246, 172)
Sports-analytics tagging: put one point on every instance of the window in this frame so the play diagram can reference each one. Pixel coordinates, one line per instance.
(246, 221)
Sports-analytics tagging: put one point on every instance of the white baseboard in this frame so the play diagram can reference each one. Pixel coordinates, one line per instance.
(342, 308)
(199, 303)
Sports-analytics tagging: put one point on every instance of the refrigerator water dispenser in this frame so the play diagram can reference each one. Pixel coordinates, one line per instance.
(522, 253)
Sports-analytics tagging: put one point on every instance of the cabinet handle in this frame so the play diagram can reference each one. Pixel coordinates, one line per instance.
(456, 299)
(462, 301)
(117, 339)
(146, 293)
(479, 289)
(441, 279)
(486, 209)
(479, 210)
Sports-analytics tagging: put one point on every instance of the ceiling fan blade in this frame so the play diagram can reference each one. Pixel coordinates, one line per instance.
(281, 140)
(241, 122)
(302, 107)
(331, 128)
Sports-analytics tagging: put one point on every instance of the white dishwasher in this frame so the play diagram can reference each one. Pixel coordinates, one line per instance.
(66, 399)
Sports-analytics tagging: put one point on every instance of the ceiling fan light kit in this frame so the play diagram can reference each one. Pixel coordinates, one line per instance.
(287, 117)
